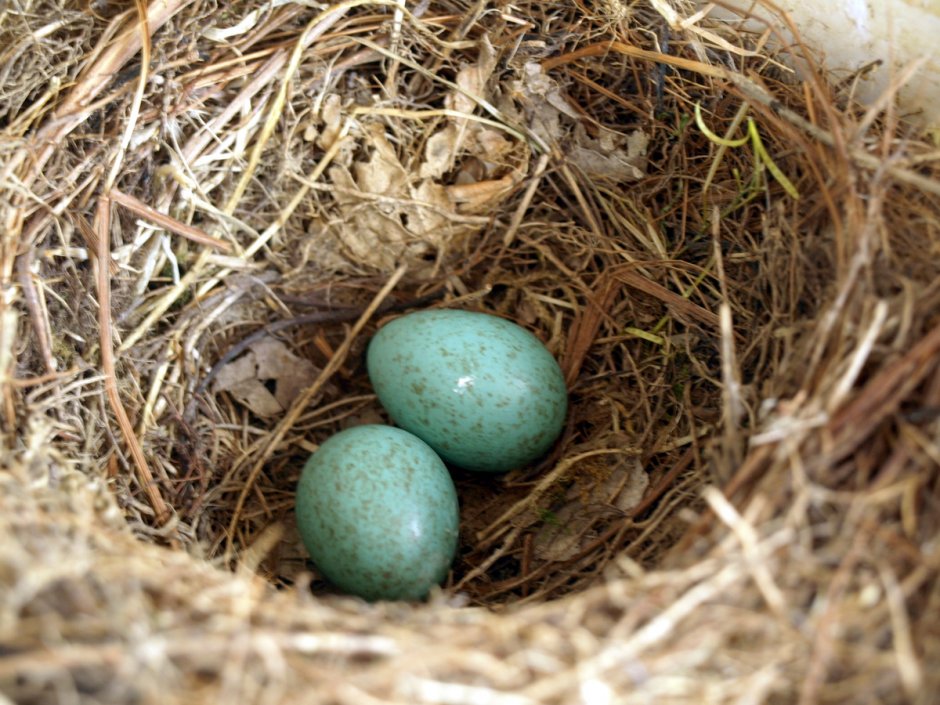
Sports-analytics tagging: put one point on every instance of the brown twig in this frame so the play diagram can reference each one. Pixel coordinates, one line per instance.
(882, 396)
(145, 477)
(36, 310)
(139, 208)
(680, 305)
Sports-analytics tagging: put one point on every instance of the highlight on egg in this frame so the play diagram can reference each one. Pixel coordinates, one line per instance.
(483, 392)
(377, 511)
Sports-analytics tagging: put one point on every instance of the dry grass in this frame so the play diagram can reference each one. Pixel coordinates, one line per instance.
(737, 269)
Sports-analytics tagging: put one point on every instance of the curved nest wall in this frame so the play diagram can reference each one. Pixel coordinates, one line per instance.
(208, 208)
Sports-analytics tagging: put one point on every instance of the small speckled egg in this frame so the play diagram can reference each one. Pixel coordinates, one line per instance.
(377, 510)
(481, 391)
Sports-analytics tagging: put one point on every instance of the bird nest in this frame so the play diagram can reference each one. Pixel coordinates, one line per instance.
(208, 208)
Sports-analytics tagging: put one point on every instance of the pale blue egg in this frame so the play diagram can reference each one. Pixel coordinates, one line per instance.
(377, 510)
(480, 390)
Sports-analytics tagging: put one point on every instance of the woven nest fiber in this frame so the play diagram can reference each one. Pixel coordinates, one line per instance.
(209, 208)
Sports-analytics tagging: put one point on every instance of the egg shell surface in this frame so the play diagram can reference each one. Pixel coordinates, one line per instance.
(483, 392)
(377, 510)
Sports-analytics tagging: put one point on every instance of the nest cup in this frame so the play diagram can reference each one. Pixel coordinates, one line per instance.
(209, 209)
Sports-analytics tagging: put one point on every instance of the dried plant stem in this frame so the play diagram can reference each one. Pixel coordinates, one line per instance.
(7, 360)
(145, 477)
(129, 126)
(752, 91)
(731, 402)
(526, 201)
(882, 394)
(139, 208)
(37, 313)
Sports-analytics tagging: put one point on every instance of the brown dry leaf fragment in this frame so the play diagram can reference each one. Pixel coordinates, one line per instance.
(560, 538)
(332, 115)
(477, 197)
(369, 415)
(370, 233)
(290, 557)
(267, 360)
(625, 489)
(492, 146)
(613, 155)
(239, 378)
(542, 91)
(383, 174)
(388, 216)
(567, 528)
(525, 103)
(472, 79)
(371, 228)
(425, 218)
(607, 158)
(440, 152)
(444, 146)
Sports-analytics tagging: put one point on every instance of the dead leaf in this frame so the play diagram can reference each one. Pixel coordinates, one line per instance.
(612, 155)
(388, 216)
(476, 197)
(539, 97)
(560, 537)
(385, 213)
(540, 88)
(427, 218)
(439, 153)
(492, 146)
(332, 115)
(268, 360)
(607, 158)
(569, 526)
(625, 489)
(383, 174)
(472, 79)
(447, 144)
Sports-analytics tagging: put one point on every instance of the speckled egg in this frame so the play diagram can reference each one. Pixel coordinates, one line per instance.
(480, 390)
(377, 510)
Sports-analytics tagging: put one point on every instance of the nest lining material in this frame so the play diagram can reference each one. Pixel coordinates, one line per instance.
(742, 507)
